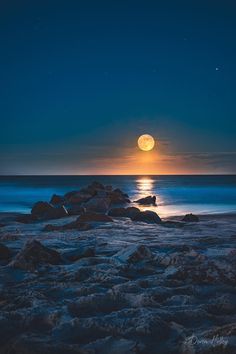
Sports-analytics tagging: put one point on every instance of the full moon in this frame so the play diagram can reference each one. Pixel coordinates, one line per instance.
(146, 142)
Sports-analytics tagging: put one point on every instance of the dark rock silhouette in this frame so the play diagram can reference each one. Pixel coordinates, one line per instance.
(124, 212)
(75, 209)
(150, 200)
(190, 218)
(117, 212)
(118, 197)
(78, 198)
(147, 216)
(57, 199)
(99, 204)
(44, 211)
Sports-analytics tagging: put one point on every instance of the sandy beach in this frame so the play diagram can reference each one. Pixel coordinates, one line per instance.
(122, 286)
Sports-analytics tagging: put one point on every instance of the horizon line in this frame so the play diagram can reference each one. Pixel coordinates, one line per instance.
(106, 175)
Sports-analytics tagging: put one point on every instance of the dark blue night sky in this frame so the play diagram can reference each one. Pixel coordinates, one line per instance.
(81, 80)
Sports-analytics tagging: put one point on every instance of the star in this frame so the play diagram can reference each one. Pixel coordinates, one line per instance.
(217, 69)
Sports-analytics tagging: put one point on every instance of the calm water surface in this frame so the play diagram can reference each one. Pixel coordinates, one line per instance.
(176, 195)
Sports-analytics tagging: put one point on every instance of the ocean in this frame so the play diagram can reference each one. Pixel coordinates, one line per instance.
(176, 195)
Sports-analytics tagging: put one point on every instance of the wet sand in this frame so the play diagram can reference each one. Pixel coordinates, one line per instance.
(121, 287)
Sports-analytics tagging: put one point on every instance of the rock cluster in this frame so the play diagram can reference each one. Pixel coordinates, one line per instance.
(95, 198)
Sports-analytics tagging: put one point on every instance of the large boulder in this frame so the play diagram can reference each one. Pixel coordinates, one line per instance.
(190, 218)
(44, 211)
(34, 254)
(70, 194)
(97, 204)
(147, 216)
(94, 217)
(57, 199)
(118, 197)
(74, 225)
(75, 209)
(4, 252)
(79, 197)
(124, 212)
(117, 212)
(132, 212)
(93, 188)
(40, 209)
(150, 200)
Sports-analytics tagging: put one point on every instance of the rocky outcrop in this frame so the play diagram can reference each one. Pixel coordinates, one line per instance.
(131, 212)
(94, 217)
(34, 254)
(118, 197)
(93, 198)
(75, 209)
(57, 199)
(124, 212)
(190, 218)
(97, 204)
(78, 198)
(44, 211)
(117, 212)
(147, 216)
(93, 188)
(150, 200)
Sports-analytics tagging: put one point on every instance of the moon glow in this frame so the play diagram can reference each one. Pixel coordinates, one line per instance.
(146, 142)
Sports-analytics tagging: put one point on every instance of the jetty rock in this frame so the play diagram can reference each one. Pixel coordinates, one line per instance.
(147, 216)
(149, 200)
(190, 218)
(45, 210)
(124, 212)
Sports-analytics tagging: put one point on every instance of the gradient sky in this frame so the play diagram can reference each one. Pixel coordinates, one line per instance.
(81, 80)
